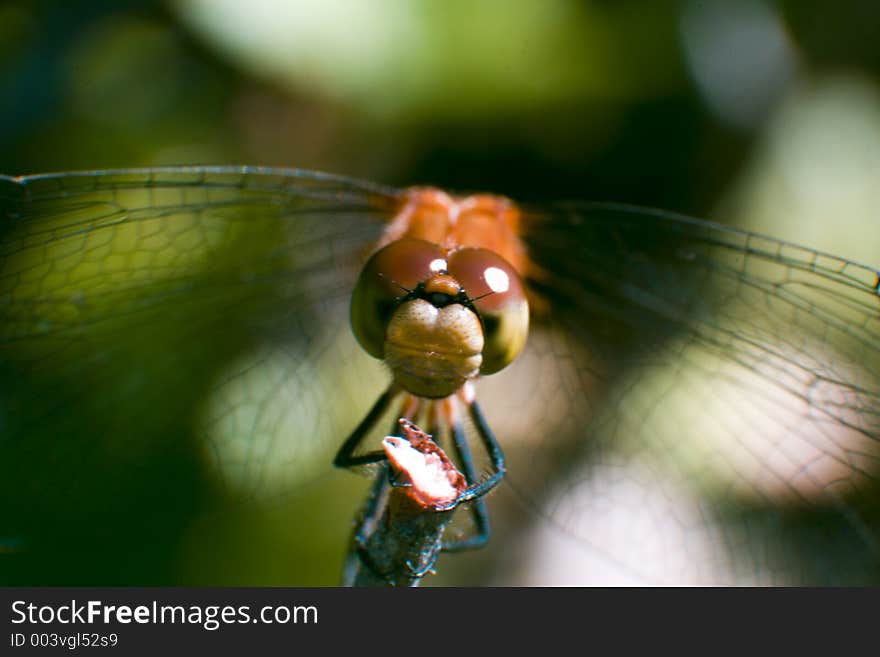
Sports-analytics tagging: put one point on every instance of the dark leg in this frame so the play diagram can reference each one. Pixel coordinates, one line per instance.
(373, 510)
(478, 511)
(369, 517)
(495, 454)
(345, 457)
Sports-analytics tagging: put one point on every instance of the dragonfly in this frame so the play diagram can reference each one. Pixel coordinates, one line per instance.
(694, 404)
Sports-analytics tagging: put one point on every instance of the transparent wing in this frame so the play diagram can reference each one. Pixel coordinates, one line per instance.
(706, 399)
(695, 404)
(159, 327)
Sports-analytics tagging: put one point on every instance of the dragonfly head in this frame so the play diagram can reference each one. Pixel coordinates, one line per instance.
(437, 317)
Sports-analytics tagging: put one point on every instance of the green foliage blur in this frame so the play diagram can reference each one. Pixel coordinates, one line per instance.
(665, 104)
(705, 108)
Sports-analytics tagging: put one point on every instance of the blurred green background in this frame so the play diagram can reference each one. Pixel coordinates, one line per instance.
(765, 114)
(680, 105)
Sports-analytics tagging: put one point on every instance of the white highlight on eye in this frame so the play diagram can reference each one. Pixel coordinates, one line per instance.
(437, 265)
(497, 279)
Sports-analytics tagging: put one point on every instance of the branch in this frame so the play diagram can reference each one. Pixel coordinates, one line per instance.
(407, 539)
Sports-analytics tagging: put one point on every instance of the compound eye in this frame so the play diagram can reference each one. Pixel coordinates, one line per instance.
(387, 277)
(496, 292)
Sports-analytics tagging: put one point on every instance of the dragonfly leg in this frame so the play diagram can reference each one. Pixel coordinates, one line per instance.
(477, 490)
(345, 457)
(419, 573)
(478, 510)
(369, 516)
